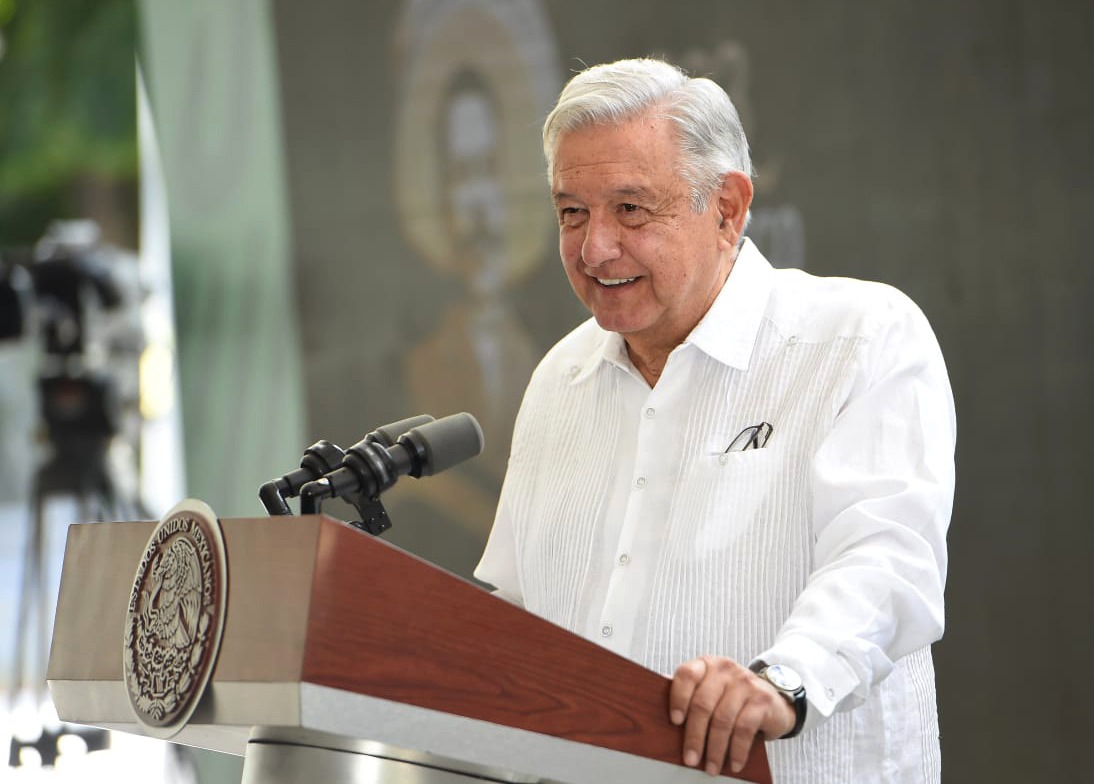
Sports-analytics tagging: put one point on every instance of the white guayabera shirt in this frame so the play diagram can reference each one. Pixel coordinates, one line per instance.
(624, 519)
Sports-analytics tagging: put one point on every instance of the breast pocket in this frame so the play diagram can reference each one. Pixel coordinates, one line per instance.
(732, 495)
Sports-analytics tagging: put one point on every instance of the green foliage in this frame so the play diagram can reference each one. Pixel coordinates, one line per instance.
(67, 106)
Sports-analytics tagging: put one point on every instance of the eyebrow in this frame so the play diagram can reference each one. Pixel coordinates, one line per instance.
(634, 191)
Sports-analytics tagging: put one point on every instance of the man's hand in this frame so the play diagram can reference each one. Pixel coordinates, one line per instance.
(722, 706)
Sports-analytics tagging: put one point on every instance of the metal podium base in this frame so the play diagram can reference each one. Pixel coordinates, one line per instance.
(293, 756)
(277, 763)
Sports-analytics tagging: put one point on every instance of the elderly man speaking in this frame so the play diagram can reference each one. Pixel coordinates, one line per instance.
(736, 475)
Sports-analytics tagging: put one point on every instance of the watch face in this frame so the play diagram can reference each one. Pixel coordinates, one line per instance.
(783, 677)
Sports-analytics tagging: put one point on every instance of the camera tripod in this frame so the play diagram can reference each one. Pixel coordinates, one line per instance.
(78, 471)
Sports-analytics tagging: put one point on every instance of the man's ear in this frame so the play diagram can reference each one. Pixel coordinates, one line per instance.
(734, 199)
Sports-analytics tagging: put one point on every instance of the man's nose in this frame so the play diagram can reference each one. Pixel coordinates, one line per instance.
(602, 240)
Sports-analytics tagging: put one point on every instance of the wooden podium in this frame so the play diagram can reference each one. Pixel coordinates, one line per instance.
(344, 658)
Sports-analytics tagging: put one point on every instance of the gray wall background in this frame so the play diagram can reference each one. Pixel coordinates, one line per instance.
(943, 147)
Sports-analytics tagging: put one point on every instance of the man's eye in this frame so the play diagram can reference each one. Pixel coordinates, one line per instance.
(569, 215)
(632, 214)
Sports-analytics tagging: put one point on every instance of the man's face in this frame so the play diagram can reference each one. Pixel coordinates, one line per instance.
(639, 258)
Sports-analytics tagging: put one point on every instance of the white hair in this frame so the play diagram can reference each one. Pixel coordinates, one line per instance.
(710, 138)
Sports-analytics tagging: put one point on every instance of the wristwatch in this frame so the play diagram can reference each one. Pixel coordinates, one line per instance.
(789, 684)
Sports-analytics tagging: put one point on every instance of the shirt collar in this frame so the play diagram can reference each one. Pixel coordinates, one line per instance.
(609, 347)
(728, 330)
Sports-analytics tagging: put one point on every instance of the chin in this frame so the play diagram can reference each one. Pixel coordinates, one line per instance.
(613, 322)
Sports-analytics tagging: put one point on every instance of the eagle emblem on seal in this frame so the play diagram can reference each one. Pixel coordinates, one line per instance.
(175, 618)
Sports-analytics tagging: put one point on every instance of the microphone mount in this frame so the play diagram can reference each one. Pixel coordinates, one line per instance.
(367, 470)
(319, 458)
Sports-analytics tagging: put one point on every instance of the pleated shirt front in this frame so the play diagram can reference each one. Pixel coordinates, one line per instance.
(624, 518)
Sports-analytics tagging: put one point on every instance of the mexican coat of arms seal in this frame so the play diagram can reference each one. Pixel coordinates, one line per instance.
(175, 618)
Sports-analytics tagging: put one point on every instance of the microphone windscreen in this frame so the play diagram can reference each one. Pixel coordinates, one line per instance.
(387, 435)
(448, 441)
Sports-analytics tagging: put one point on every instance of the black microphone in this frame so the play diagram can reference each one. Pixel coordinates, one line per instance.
(369, 467)
(322, 457)
(387, 435)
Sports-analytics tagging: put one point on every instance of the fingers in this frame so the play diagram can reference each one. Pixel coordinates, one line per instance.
(684, 682)
(748, 723)
(723, 722)
(723, 706)
(707, 697)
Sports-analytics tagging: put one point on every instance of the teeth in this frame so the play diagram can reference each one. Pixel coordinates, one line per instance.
(614, 281)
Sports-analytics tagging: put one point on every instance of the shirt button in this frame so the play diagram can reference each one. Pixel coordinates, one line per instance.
(573, 370)
(641, 481)
(606, 630)
(723, 458)
(650, 413)
(792, 340)
(624, 559)
(830, 692)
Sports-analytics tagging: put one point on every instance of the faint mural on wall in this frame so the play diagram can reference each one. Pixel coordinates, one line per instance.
(776, 228)
(477, 77)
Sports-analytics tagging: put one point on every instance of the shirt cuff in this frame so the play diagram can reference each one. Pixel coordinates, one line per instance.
(827, 679)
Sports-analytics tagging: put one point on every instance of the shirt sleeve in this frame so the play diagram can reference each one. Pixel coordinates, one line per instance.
(498, 565)
(883, 493)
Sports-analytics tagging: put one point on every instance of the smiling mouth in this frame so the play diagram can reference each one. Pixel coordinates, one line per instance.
(615, 281)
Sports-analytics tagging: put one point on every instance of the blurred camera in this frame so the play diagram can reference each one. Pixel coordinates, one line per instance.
(79, 300)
